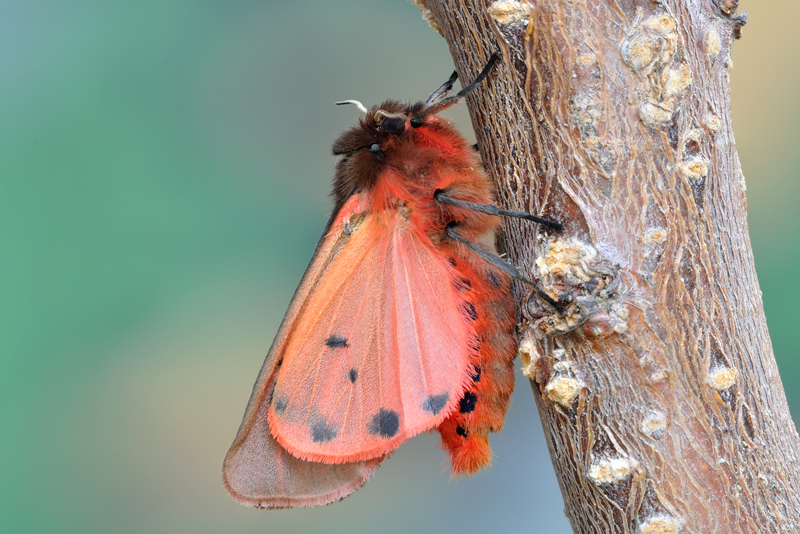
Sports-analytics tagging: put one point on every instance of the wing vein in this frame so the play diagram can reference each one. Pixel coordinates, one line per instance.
(415, 330)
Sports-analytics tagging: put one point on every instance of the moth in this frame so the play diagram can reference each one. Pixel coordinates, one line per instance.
(402, 323)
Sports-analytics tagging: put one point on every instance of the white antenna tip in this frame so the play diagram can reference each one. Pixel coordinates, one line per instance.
(356, 103)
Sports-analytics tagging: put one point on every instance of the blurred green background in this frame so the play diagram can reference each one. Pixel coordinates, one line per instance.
(164, 170)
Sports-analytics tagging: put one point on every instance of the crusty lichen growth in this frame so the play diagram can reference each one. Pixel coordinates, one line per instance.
(712, 43)
(654, 236)
(660, 524)
(722, 377)
(676, 80)
(611, 470)
(564, 386)
(510, 12)
(529, 355)
(651, 48)
(695, 168)
(573, 273)
(563, 390)
(713, 123)
(654, 424)
(567, 261)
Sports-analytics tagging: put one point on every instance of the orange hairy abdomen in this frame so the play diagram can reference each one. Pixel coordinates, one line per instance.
(483, 407)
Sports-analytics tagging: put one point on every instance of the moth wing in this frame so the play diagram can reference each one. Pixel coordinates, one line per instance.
(257, 471)
(380, 352)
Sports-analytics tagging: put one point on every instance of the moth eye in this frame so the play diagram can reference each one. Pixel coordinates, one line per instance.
(395, 125)
(375, 148)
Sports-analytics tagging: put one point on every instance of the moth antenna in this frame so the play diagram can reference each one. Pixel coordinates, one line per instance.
(436, 107)
(356, 103)
(482, 76)
(490, 209)
(503, 266)
(441, 91)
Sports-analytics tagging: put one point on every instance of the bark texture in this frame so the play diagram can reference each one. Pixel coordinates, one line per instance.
(658, 390)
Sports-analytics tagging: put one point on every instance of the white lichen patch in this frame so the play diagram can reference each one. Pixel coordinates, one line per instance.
(663, 23)
(655, 113)
(676, 80)
(660, 524)
(695, 168)
(654, 236)
(721, 378)
(611, 470)
(651, 50)
(658, 376)
(510, 12)
(563, 390)
(638, 52)
(695, 134)
(654, 423)
(587, 110)
(712, 43)
(713, 123)
(529, 355)
(586, 60)
(655, 41)
(567, 260)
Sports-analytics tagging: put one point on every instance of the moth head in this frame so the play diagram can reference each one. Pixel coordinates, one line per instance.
(378, 127)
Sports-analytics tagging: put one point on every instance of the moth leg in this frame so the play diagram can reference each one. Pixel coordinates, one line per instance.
(441, 196)
(501, 264)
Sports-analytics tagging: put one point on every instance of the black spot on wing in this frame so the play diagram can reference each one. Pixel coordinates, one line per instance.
(469, 310)
(352, 375)
(476, 377)
(322, 432)
(280, 405)
(336, 341)
(385, 423)
(461, 432)
(467, 402)
(451, 260)
(435, 403)
(494, 280)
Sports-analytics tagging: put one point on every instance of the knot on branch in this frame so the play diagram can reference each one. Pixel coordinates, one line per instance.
(574, 274)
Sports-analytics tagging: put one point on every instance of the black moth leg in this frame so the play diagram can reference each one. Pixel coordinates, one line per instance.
(502, 265)
(490, 209)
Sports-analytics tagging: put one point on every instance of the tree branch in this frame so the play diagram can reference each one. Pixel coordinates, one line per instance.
(658, 389)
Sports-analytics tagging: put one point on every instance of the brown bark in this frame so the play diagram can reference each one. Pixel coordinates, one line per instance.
(658, 391)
